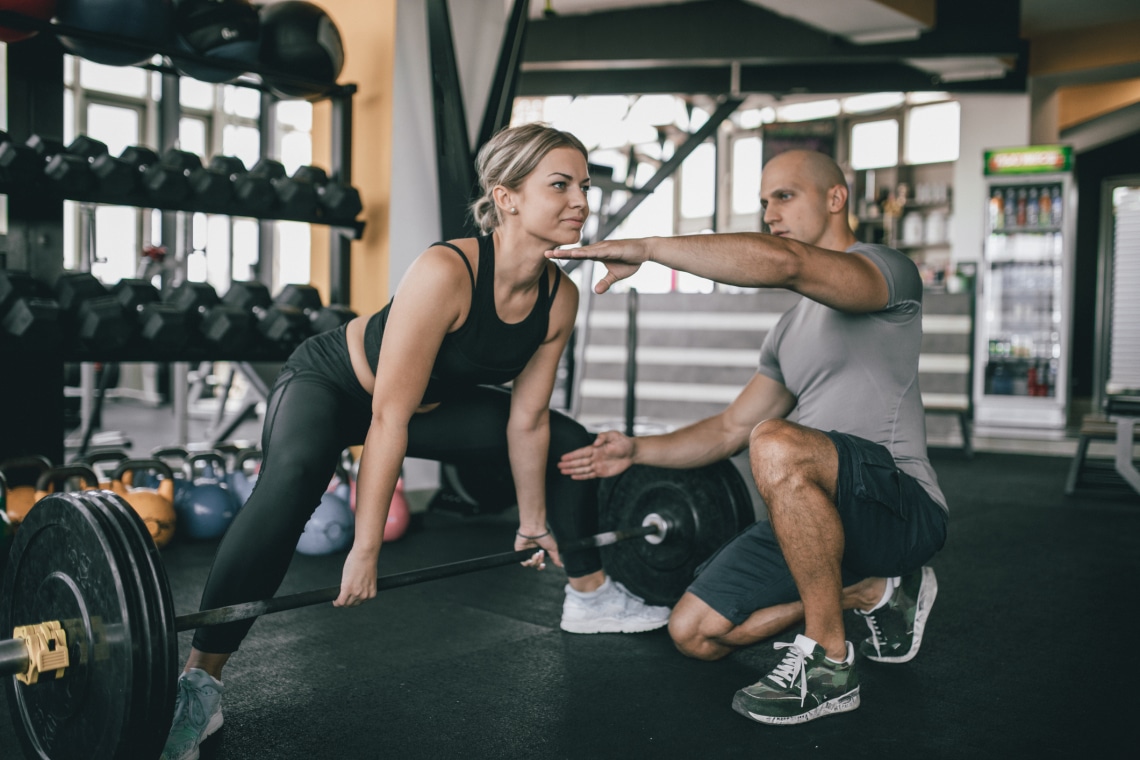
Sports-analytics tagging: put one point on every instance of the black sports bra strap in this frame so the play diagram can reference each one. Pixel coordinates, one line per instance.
(462, 255)
(557, 282)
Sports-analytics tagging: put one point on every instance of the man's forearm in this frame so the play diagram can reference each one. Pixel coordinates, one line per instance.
(746, 259)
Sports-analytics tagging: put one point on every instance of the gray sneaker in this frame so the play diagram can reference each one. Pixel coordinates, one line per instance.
(610, 609)
(804, 686)
(897, 626)
(197, 714)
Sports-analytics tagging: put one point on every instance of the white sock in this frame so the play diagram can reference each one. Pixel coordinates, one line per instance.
(846, 660)
(888, 590)
(589, 594)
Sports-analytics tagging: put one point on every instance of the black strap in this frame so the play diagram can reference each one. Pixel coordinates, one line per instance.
(557, 282)
(462, 255)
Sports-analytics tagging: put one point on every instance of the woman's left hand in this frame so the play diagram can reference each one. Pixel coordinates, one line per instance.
(546, 545)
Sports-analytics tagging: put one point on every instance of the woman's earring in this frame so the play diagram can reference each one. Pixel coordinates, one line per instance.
(514, 210)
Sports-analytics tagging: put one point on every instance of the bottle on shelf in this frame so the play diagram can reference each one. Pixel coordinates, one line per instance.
(1022, 207)
(1046, 212)
(997, 211)
(1010, 209)
(1057, 206)
(1032, 209)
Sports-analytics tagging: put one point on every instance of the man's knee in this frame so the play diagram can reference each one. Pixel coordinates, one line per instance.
(782, 452)
(694, 628)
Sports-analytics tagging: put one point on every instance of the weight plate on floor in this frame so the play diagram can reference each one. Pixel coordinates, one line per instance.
(704, 507)
(63, 567)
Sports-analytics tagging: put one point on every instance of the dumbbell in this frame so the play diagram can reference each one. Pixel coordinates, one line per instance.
(91, 314)
(159, 325)
(18, 163)
(166, 184)
(284, 326)
(336, 199)
(308, 300)
(27, 311)
(253, 193)
(218, 326)
(296, 198)
(87, 160)
(206, 184)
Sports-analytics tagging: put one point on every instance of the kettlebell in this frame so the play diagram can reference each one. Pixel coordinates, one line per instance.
(154, 505)
(398, 514)
(22, 490)
(208, 508)
(57, 478)
(330, 528)
(94, 459)
(242, 477)
(7, 530)
(175, 458)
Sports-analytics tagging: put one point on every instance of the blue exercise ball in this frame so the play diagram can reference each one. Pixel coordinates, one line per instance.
(228, 30)
(330, 529)
(148, 22)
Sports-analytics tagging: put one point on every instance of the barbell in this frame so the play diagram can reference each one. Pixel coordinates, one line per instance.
(93, 658)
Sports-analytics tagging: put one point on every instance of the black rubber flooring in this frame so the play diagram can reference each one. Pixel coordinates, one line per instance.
(1028, 653)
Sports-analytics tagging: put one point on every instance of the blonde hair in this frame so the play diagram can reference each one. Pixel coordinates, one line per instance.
(508, 158)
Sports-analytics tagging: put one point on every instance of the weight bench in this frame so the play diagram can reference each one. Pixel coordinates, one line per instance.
(1118, 428)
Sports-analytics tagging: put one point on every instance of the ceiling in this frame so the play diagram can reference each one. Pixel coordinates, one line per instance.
(788, 48)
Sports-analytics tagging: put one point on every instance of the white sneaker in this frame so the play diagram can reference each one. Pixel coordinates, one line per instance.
(610, 608)
(197, 714)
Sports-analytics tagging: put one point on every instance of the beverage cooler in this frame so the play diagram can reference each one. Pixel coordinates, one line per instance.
(1024, 297)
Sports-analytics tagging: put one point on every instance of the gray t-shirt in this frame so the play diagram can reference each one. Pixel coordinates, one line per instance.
(858, 373)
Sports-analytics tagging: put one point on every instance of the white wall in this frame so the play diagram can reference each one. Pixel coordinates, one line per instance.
(477, 28)
(988, 121)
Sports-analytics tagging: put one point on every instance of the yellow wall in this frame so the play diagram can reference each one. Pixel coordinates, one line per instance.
(1080, 103)
(1082, 49)
(368, 31)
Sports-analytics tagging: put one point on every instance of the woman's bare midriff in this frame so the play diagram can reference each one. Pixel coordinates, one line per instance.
(364, 374)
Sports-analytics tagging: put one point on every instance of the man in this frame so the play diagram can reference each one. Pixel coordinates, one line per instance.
(854, 506)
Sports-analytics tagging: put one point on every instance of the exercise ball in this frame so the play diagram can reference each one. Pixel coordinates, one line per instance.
(330, 529)
(39, 9)
(228, 30)
(149, 22)
(299, 39)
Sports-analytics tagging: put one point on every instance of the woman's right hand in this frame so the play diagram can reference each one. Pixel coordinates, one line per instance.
(358, 579)
(610, 454)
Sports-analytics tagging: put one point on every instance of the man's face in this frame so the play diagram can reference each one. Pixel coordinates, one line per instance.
(794, 207)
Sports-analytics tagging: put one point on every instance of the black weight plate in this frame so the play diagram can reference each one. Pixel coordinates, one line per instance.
(156, 649)
(704, 507)
(63, 568)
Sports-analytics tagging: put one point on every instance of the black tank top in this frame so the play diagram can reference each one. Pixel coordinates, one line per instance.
(484, 350)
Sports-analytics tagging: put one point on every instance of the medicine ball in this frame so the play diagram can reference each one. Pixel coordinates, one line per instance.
(149, 22)
(225, 29)
(39, 9)
(299, 39)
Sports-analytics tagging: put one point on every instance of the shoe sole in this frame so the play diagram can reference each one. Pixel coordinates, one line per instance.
(845, 703)
(611, 626)
(927, 591)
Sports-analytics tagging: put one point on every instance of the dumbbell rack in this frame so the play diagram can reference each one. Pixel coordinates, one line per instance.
(31, 385)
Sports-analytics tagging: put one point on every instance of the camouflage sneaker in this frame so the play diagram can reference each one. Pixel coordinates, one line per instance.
(896, 627)
(804, 686)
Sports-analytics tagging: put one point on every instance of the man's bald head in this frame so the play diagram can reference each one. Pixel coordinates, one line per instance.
(814, 167)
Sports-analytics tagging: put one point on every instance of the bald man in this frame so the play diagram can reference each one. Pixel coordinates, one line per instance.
(854, 507)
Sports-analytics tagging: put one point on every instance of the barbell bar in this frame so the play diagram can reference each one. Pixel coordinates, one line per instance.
(85, 561)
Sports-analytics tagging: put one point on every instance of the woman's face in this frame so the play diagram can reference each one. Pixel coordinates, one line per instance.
(551, 201)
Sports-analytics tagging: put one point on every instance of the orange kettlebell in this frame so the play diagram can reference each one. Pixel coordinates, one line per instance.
(22, 490)
(98, 458)
(154, 505)
(61, 476)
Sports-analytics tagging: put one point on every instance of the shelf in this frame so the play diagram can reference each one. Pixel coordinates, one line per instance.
(1024, 230)
(919, 246)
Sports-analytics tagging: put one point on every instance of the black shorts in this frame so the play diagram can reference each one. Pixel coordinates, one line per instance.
(891, 527)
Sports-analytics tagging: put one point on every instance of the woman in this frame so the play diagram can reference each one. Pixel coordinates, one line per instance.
(420, 379)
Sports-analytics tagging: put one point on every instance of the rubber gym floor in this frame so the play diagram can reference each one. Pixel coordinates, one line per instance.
(1028, 652)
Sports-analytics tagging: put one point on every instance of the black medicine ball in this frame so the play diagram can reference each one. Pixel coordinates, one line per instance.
(298, 38)
(223, 29)
(144, 21)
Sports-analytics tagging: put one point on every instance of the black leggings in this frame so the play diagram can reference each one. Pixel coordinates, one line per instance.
(317, 409)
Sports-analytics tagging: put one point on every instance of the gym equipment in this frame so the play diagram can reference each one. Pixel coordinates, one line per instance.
(7, 529)
(83, 576)
(217, 326)
(244, 474)
(154, 506)
(143, 22)
(399, 516)
(705, 507)
(330, 529)
(300, 40)
(307, 299)
(224, 29)
(47, 482)
(337, 200)
(39, 9)
(114, 177)
(295, 197)
(284, 326)
(253, 193)
(22, 473)
(28, 313)
(159, 326)
(95, 459)
(207, 508)
(474, 490)
(92, 317)
(18, 163)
